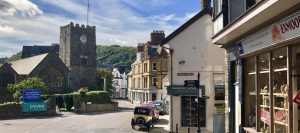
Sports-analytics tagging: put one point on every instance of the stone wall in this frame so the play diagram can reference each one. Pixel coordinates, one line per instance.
(101, 107)
(226, 95)
(81, 106)
(15, 110)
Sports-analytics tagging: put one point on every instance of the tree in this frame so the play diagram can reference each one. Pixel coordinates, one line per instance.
(101, 74)
(116, 56)
(30, 83)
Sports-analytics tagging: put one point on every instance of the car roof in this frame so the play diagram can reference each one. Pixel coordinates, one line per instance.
(145, 107)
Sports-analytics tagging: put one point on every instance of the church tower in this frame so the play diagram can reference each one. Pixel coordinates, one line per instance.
(78, 51)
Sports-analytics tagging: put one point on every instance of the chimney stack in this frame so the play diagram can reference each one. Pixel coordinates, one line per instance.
(156, 37)
(205, 4)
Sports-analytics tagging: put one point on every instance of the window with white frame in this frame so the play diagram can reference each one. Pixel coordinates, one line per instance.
(145, 82)
(154, 66)
(154, 81)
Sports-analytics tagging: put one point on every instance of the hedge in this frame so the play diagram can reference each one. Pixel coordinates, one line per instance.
(98, 97)
(95, 97)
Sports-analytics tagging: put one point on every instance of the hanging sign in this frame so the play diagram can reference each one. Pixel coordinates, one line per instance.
(297, 98)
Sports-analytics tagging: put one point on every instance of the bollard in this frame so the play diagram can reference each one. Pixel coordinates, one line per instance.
(176, 128)
(188, 129)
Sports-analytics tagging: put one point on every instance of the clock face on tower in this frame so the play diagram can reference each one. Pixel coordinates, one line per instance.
(83, 38)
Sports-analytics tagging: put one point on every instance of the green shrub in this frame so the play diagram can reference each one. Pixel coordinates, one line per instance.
(100, 97)
(30, 83)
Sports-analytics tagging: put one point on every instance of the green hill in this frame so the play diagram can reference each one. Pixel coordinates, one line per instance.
(114, 55)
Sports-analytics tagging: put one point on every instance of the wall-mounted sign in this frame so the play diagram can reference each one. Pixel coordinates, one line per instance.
(32, 95)
(34, 106)
(185, 74)
(191, 83)
(219, 92)
(282, 30)
(182, 90)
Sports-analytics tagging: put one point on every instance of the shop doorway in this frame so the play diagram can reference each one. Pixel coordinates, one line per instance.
(232, 76)
(153, 96)
(296, 86)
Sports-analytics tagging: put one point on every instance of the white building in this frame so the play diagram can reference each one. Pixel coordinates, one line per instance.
(120, 82)
(191, 51)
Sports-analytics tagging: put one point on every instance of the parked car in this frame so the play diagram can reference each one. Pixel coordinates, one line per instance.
(155, 111)
(143, 116)
(160, 105)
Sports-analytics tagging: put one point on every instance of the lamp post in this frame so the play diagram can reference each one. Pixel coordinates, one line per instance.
(171, 51)
(198, 103)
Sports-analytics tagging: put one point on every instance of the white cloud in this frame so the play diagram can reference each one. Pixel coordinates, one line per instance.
(7, 29)
(115, 23)
(23, 8)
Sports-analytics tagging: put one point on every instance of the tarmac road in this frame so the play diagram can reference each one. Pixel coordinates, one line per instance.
(106, 122)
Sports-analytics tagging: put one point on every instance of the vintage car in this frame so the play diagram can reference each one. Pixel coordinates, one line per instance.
(143, 116)
(155, 111)
(159, 105)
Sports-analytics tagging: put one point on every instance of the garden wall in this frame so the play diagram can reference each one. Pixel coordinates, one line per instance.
(12, 110)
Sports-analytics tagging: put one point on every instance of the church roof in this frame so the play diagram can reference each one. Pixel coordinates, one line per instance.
(27, 65)
(29, 51)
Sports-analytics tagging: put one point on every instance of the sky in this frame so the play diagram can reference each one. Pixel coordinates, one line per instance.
(121, 22)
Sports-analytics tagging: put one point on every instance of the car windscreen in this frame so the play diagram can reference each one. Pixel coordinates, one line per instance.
(157, 103)
(142, 111)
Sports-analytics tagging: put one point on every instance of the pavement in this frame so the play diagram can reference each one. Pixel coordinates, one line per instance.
(68, 122)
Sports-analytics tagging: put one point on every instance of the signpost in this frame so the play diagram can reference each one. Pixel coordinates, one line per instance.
(191, 83)
(34, 106)
(32, 101)
(33, 95)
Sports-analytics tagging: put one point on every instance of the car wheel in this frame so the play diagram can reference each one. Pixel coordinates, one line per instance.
(140, 120)
(132, 124)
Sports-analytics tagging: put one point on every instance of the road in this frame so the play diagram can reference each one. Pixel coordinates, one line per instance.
(106, 122)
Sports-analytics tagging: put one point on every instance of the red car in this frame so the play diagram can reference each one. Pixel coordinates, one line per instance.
(155, 110)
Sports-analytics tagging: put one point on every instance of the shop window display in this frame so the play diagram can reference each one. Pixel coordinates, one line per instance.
(280, 95)
(264, 89)
(189, 111)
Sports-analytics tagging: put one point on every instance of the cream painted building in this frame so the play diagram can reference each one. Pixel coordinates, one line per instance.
(191, 51)
(148, 71)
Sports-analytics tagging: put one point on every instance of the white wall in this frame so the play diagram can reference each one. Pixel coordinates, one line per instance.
(194, 46)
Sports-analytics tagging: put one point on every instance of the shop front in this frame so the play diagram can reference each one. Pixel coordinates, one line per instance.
(264, 79)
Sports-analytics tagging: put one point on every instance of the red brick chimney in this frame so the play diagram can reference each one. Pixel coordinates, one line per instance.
(205, 4)
(157, 36)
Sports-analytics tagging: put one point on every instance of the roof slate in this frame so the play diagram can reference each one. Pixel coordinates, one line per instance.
(27, 65)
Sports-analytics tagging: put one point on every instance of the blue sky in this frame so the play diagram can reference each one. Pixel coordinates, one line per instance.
(123, 22)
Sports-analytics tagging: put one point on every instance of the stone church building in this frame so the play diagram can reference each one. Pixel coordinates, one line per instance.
(66, 69)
